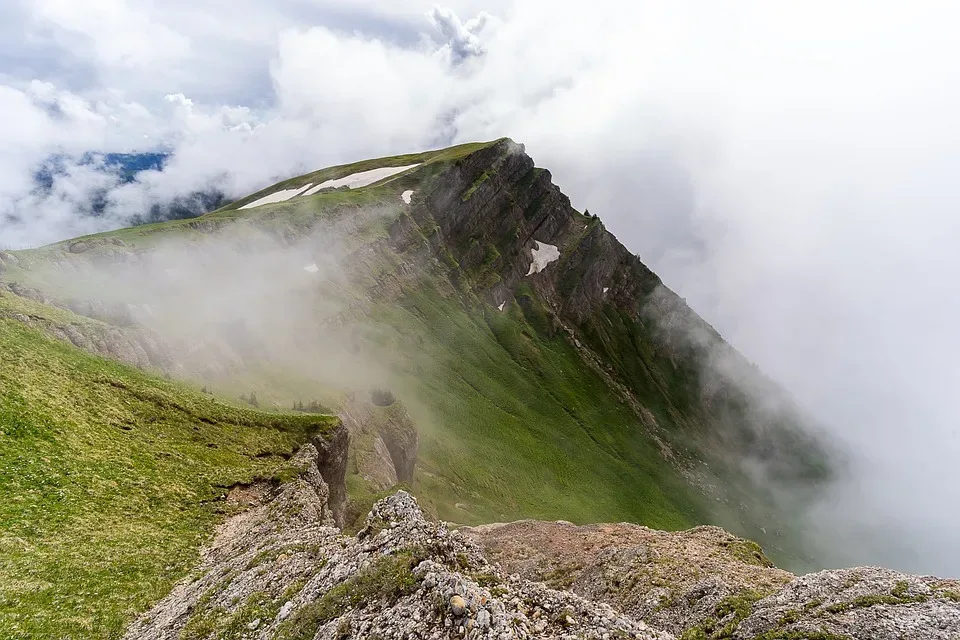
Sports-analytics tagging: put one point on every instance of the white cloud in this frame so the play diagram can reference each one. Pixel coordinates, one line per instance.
(462, 38)
(120, 32)
(789, 168)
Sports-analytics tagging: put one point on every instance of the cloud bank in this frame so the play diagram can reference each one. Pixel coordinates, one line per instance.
(788, 169)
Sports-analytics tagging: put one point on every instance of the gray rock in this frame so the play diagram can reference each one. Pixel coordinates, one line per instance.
(483, 619)
(424, 579)
(419, 580)
(865, 603)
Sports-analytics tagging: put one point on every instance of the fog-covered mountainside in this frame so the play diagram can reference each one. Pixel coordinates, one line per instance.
(482, 344)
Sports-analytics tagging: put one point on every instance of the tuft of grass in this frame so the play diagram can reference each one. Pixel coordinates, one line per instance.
(898, 595)
(218, 623)
(728, 614)
(111, 484)
(950, 595)
(748, 552)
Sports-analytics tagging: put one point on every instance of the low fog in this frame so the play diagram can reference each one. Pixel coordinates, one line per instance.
(276, 312)
(788, 169)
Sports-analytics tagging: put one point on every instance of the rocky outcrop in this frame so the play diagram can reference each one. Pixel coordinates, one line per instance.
(866, 602)
(331, 461)
(132, 345)
(385, 442)
(671, 580)
(281, 570)
(274, 572)
(706, 583)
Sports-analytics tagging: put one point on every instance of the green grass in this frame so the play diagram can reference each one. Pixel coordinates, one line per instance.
(386, 579)
(111, 480)
(732, 609)
(898, 595)
(513, 425)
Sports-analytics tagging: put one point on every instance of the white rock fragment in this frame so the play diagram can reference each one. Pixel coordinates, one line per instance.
(605, 289)
(312, 268)
(277, 196)
(501, 306)
(406, 196)
(543, 255)
(361, 179)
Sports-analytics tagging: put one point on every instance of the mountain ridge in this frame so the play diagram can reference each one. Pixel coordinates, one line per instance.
(635, 333)
(545, 372)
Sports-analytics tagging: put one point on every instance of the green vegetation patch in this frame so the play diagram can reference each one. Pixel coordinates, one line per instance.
(112, 479)
(728, 614)
(748, 552)
(898, 595)
(386, 579)
(513, 425)
(217, 623)
(476, 185)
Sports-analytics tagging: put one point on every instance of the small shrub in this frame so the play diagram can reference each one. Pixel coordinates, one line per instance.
(313, 406)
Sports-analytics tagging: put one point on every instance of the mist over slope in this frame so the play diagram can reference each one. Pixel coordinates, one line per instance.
(550, 372)
(800, 196)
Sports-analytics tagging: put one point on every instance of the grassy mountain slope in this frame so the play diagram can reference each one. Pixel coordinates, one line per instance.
(111, 479)
(515, 427)
(592, 396)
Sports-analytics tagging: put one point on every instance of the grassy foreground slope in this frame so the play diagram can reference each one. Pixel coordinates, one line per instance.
(111, 479)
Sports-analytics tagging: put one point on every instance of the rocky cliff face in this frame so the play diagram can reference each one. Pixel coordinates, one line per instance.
(518, 240)
(384, 442)
(282, 571)
(103, 334)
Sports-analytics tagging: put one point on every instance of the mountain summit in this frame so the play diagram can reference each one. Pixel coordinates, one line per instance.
(482, 344)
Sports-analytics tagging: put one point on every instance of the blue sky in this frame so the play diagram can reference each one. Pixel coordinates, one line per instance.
(789, 168)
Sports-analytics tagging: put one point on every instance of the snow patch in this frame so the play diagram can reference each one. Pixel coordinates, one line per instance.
(501, 306)
(277, 196)
(406, 195)
(361, 179)
(543, 255)
(312, 268)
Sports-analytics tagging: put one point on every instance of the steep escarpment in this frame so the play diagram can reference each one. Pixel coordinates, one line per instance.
(495, 211)
(708, 408)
